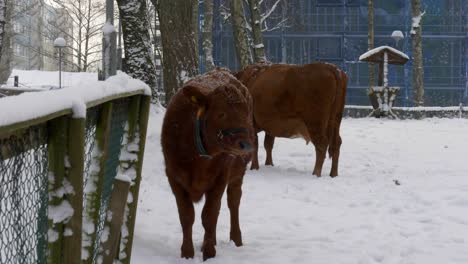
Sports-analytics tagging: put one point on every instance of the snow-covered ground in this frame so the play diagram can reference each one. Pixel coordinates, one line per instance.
(362, 216)
(48, 79)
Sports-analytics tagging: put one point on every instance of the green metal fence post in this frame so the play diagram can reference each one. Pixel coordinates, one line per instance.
(140, 117)
(73, 228)
(93, 188)
(57, 143)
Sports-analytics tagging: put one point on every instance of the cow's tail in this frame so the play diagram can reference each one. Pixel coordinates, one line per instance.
(337, 112)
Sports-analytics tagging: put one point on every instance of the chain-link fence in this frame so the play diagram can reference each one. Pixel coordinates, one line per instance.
(25, 183)
(23, 197)
(119, 119)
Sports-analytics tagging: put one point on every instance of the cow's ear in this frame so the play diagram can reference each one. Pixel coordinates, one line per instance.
(194, 95)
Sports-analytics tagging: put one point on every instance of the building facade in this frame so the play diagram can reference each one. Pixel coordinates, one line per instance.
(336, 31)
(35, 27)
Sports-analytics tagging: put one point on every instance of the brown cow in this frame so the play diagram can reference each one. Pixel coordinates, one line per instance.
(298, 101)
(207, 139)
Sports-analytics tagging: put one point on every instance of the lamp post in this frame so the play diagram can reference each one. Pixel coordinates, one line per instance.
(60, 43)
(397, 35)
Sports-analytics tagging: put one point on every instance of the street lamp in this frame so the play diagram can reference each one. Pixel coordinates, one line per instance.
(397, 35)
(60, 43)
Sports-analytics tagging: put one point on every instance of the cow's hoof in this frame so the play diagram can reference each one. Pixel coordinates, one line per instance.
(209, 252)
(254, 167)
(237, 239)
(203, 246)
(187, 251)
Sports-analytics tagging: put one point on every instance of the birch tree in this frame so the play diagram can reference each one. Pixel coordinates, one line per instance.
(240, 36)
(137, 43)
(262, 19)
(180, 59)
(208, 35)
(416, 35)
(258, 45)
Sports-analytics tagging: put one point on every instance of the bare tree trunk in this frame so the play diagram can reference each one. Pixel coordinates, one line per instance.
(418, 70)
(195, 25)
(208, 35)
(6, 53)
(259, 47)
(139, 63)
(370, 45)
(179, 55)
(3, 21)
(80, 26)
(240, 36)
(87, 37)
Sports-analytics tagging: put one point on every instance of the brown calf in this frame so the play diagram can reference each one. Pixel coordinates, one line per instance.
(298, 101)
(207, 139)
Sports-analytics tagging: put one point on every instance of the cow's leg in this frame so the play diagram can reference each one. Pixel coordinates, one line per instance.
(210, 219)
(186, 217)
(269, 142)
(320, 140)
(234, 193)
(335, 157)
(254, 165)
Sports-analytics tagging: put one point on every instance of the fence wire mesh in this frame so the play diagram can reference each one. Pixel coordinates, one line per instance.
(24, 197)
(90, 140)
(118, 121)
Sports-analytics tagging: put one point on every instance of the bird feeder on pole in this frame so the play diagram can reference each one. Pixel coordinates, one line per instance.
(385, 94)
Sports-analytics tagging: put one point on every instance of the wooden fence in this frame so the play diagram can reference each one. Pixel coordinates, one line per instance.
(69, 182)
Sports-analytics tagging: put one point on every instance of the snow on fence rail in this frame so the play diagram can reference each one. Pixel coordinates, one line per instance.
(70, 170)
(412, 112)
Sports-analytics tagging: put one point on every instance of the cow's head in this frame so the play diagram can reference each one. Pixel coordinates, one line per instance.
(224, 119)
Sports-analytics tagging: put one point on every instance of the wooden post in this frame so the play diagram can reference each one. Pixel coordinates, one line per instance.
(117, 206)
(381, 70)
(73, 228)
(57, 143)
(142, 123)
(93, 187)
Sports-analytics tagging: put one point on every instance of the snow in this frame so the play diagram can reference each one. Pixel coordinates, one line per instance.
(418, 108)
(68, 232)
(52, 235)
(78, 109)
(60, 213)
(105, 234)
(14, 109)
(184, 76)
(362, 216)
(123, 177)
(108, 28)
(259, 46)
(385, 73)
(34, 80)
(416, 22)
(378, 49)
(60, 43)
